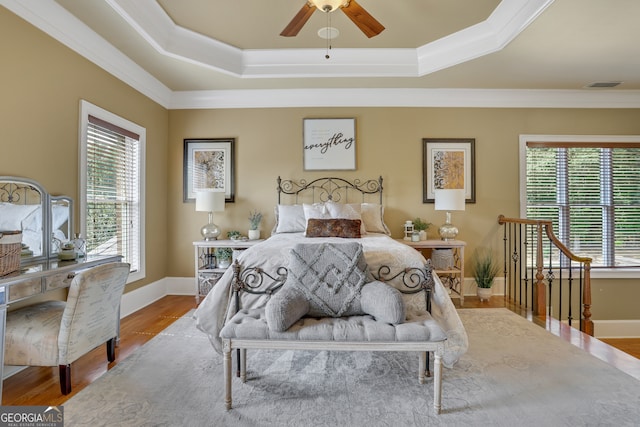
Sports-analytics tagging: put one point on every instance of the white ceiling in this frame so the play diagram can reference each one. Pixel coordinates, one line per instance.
(225, 54)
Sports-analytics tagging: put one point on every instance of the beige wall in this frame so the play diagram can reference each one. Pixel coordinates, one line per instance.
(43, 82)
(42, 85)
(389, 143)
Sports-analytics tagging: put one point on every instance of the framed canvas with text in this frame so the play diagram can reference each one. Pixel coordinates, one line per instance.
(448, 163)
(329, 144)
(208, 165)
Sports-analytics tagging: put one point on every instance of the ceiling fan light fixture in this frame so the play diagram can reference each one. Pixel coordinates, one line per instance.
(328, 5)
(328, 33)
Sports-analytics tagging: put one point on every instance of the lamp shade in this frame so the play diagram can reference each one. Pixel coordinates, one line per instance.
(209, 201)
(449, 200)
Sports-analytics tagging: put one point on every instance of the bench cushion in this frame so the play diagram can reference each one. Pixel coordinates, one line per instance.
(252, 324)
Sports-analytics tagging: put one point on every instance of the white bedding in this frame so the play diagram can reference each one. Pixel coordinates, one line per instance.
(379, 250)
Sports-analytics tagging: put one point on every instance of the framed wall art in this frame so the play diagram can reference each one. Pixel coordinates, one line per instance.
(208, 164)
(329, 144)
(448, 163)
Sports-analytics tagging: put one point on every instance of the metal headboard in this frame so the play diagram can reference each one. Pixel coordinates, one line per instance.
(19, 193)
(330, 189)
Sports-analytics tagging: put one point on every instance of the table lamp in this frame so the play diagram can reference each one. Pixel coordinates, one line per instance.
(210, 201)
(449, 200)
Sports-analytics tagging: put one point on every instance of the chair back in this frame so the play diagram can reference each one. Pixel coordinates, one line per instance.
(91, 314)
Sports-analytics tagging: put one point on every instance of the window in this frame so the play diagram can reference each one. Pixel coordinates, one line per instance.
(590, 188)
(112, 152)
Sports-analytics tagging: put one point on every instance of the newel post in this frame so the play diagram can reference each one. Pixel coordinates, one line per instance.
(587, 323)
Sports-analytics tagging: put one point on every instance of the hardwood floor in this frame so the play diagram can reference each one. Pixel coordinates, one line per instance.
(40, 386)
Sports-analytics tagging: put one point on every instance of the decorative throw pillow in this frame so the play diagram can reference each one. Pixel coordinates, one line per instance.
(330, 275)
(289, 219)
(329, 279)
(372, 217)
(347, 228)
(285, 308)
(382, 301)
(345, 211)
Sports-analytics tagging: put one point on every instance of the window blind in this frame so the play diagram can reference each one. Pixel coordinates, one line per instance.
(112, 191)
(591, 192)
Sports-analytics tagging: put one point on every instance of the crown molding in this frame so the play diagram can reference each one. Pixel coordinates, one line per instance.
(404, 97)
(54, 20)
(504, 24)
(152, 23)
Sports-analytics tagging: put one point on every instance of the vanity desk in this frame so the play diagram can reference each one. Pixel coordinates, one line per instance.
(36, 279)
(44, 276)
(45, 222)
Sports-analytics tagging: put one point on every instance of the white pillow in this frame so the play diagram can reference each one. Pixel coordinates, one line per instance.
(316, 210)
(289, 219)
(12, 216)
(346, 211)
(372, 218)
(59, 215)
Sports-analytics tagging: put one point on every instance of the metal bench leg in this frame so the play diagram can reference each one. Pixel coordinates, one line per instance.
(243, 365)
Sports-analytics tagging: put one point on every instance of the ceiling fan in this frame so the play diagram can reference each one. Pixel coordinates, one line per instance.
(367, 23)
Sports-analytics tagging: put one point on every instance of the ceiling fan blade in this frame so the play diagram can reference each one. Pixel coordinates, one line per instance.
(299, 20)
(367, 23)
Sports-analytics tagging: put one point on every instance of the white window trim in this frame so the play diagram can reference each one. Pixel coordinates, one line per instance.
(86, 109)
(596, 273)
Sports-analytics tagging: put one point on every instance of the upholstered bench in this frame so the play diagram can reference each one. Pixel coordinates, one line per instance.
(254, 328)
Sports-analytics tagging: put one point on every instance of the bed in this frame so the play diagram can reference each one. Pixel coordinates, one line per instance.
(330, 199)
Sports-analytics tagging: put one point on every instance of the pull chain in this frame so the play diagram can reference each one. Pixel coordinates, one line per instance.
(328, 34)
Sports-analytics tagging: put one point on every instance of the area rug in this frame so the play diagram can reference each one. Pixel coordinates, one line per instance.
(514, 374)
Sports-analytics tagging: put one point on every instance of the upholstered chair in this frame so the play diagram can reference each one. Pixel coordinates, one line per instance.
(57, 333)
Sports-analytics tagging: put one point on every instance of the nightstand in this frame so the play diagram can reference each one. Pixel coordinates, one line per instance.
(452, 277)
(206, 270)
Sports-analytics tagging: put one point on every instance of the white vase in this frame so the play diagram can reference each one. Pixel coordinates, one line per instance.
(484, 293)
(423, 235)
(224, 263)
(254, 234)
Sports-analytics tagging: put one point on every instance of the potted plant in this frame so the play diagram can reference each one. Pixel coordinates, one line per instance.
(234, 235)
(254, 224)
(485, 269)
(223, 257)
(421, 227)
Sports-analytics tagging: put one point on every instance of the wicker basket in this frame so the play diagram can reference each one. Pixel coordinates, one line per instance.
(442, 259)
(10, 249)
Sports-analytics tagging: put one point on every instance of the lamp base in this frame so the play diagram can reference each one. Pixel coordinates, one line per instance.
(447, 230)
(210, 231)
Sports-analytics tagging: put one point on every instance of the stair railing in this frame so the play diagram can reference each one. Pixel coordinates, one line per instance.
(543, 275)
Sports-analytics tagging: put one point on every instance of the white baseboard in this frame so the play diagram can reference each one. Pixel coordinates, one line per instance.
(142, 297)
(616, 328)
(10, 370)
(469, 287)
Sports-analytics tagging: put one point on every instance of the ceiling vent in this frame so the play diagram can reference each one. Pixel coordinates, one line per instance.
(603, 84)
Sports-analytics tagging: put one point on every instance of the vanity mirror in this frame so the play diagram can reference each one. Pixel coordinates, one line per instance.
(43, 219)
